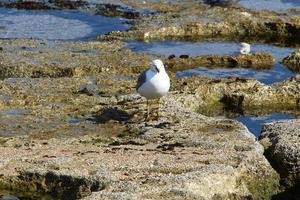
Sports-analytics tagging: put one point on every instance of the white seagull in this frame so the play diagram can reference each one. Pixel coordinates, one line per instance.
(244, 48)
(153, 83)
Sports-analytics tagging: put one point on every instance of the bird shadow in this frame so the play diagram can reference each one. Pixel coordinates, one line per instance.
(111, 113)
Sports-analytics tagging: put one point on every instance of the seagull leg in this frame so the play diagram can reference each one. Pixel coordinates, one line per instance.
(157, 112)
(158, 108)
(148, 109)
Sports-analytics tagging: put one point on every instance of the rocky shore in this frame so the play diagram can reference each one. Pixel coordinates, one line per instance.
(281, 143)
(73, 127)
(292, 61)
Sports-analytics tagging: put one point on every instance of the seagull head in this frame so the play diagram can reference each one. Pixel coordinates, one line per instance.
(157, 66)
(245, 48)
(245, 45)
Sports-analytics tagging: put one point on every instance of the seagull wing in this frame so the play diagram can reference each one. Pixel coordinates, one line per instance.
(141, 80)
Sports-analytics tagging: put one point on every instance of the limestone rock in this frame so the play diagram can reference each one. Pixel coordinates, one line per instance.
(184, 155)
(257, 60)
(293, 61)
(281, 141)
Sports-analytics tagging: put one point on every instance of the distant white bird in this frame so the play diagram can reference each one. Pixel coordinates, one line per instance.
(246, 14)
(153, 83)
(245, 48)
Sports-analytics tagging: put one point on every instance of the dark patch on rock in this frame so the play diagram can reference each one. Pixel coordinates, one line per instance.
(292, 61)
(112, 10)
(233, 62)
(68, 4)
(162, 125)
(184, 56)
(28, 5)
(222, 3)
(51, 4)
(111, 113)
(171, 56)
(60, 72)
(283, 28)
(170, 146)
(70, 188)
(257, 60)
(85, 91)
(289, 194)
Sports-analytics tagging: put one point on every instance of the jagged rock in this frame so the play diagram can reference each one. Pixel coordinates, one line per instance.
(207, 94)
(293, 61)
(281, 141)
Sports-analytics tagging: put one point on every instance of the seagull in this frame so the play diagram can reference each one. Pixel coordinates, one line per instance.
(244, 48)
(153, 83)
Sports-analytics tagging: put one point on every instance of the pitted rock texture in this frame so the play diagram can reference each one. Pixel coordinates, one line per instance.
(281, 141)
(214, 95)
(80, 126)
(182, 155)
(257, 60)
(293, 61)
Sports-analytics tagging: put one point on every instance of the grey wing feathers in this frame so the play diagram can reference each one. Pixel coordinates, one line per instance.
(141, 80)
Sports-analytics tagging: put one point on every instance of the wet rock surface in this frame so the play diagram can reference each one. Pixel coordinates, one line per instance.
(293, 61)
(238, 94)
(180, 155)
(281, 143)
(70, 116)
(44, 5)
(258, 60)
(196, 21)
(96, 123)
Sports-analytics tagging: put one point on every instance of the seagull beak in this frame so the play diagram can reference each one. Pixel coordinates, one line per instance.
(157, 69)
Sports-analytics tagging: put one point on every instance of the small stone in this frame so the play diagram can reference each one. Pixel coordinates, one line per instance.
(171, 56)
(184, 56)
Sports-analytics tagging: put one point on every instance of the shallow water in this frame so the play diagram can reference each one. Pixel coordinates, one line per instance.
(277, 73)
(10, 195)
(270, 4)
(255, 123)
(178, 48)
(56, 24)
(14, 111)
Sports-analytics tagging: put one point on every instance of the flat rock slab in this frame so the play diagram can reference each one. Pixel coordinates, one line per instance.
(282, 147)
(182, 155)
(257, 60)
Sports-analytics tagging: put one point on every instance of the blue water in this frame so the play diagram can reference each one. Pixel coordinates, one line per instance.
(14, 111)
(255, 123)
(178, 48)
(270, 4)
(56, 24)
(277, 73)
